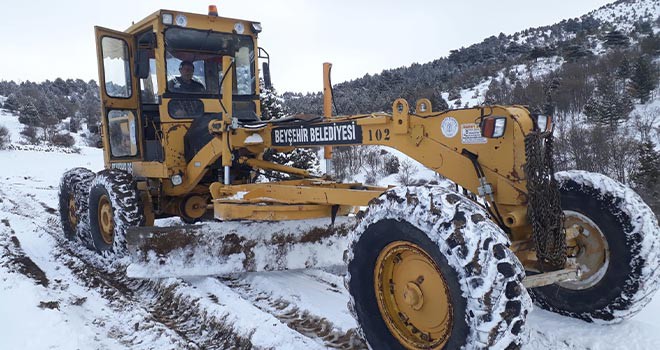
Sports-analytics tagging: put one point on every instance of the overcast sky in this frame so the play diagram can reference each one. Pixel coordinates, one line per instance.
(48, 39)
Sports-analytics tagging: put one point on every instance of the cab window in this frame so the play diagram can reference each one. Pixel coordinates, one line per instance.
(116, 67)
(194, 61)
(122, 133)
(149, 85)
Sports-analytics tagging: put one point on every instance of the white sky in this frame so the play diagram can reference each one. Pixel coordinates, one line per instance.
(48, 39)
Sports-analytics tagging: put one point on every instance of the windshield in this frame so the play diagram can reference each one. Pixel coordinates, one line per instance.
(194, 61)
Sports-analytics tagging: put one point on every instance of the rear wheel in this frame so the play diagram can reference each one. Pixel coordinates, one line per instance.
(73, 194)
(428, 270)
(615, 241)
(114, 206)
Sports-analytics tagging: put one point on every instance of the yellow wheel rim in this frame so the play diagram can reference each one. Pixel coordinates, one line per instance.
(106, 221)
(587, 244)
(195, 207)
(73, 219)
(412, 296)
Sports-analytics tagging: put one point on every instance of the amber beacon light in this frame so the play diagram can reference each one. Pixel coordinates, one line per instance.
(213, 10)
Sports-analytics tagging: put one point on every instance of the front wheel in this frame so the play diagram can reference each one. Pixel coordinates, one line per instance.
(428, 270)
(73, 194)
(114, 206)
(616, 243)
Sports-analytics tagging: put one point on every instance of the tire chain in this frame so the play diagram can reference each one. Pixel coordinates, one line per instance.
(544, 207)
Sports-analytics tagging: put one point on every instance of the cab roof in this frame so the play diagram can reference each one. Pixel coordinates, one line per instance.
(203, 21)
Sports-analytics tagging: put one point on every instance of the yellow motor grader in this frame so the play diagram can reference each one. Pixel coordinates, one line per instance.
(427, 266)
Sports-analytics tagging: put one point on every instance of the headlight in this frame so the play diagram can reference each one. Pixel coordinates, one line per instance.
(500, 126)
(543, 123)
(493, 127)
(168, 19)
(177, 180)
(256, 27)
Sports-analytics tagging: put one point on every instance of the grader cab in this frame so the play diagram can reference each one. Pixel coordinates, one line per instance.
(427, 267)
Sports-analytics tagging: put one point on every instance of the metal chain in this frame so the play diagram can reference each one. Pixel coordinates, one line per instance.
(544, 208)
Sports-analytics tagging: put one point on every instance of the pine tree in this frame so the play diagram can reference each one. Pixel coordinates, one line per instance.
(90, 108)
(616, 39)
(28, 114)
(437, 101)
(12, 103)
(271, 103)
(303, 158)
(644, 79)
(574, 53)
(646, 179)
(609, 105)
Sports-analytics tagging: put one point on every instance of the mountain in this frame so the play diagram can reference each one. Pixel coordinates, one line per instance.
(597, 75)
(627, 27)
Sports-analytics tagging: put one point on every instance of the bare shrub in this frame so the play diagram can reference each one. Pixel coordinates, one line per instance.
(609, 150)
(30, 133)
(63, 140)
(5, 138)
(406, 171)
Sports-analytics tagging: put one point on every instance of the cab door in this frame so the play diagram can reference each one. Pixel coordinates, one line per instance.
(120, 100)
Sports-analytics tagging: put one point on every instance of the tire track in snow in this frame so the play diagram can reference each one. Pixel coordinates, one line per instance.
(303, 321)
(127, 322)
(165, 308)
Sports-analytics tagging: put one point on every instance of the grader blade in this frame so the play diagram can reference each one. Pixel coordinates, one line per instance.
(222, 248)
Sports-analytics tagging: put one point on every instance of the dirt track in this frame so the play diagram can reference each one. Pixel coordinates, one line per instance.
(183, 314)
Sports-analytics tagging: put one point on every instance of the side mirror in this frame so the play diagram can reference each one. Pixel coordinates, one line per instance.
(147, 40)
(142, 64)
(493, 127)
(93, 128)
(266, 71)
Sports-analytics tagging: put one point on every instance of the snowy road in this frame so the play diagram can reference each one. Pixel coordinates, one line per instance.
(54, 295)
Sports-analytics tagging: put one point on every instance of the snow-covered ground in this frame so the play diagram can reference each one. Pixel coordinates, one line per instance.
(55, 295)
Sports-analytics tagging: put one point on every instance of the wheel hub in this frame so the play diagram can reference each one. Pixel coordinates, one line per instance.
(106, 221)
(194, 207)
(73, 219)
(412, 296)
(589, 247)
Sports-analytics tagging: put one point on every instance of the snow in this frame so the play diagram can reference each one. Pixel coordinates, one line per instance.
(265, 253)
(624, 14)
(25, 326)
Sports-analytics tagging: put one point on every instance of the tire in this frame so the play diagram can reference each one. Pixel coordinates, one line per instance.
(629, 277)
(482, 278)
(114, 206)
(73, 195)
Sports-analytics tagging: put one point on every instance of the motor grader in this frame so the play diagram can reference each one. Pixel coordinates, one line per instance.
(426, 267)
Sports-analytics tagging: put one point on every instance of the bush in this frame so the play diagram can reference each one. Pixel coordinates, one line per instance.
(93, 140)
(63, 140)
(30, 134)
(406, 172)
(5, 138)
(74, 125)
(391, 165)
(370, 179)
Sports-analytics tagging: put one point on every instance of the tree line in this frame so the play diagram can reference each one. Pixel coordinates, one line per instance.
(43, 107)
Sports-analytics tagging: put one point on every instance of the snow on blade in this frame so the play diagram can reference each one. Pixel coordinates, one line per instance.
(219, 248)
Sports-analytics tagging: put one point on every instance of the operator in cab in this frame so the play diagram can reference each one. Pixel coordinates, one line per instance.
(185, 82)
